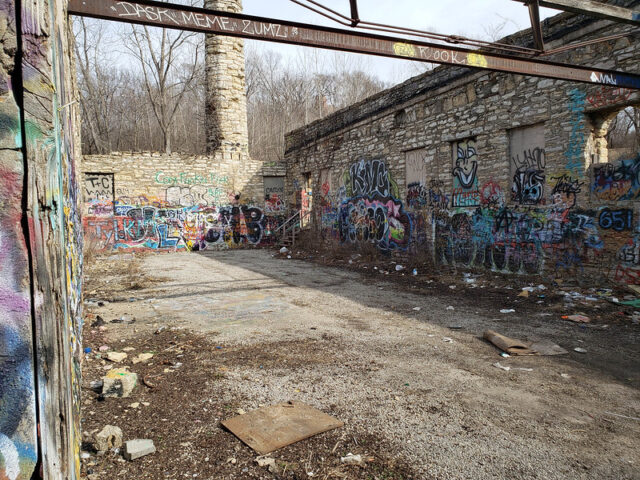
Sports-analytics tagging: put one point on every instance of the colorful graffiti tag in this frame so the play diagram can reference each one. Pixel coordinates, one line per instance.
(372, 212)
(516, 241)
(465, 179)
(192, 228)
(617, 181)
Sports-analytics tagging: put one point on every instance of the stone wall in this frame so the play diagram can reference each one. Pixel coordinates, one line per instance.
(483, 169)
(40, 245)
(151, 200)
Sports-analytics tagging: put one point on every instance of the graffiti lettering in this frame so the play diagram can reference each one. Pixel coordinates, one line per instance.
(608, 96)
(619, 220)
(370, 178)
(617, 182)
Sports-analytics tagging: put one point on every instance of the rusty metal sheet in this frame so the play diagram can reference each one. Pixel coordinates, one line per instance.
(270, 428)
(181, 17)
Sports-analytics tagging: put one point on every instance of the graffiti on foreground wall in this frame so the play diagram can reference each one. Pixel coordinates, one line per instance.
(193, 228)
(372, 211)
(529, 176)
(617, 181)
(516, 241)
(465, 175)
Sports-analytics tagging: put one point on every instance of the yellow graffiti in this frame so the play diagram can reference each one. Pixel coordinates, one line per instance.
(404, 49)
(476, 60)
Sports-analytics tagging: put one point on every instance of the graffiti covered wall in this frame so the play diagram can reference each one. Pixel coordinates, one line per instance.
(40, 315)
(155, 201)
(485, 170)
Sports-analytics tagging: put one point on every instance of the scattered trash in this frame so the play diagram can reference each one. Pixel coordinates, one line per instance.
(577, 318)
(109, 437)
(119, 382)
(104, 348)
(96, 386)
(138, 448)
(268, 462)
(87, 350)
(134, 405)
(447, 340)
(143, 357)
(579, 350)
(99, 322)
(232, 460)
(507, 310)
(160, 330)
(547, 347)
(508, 345)
(270, 428)
(507, 369)
(284, 250)
(565, 375)
(128, 349)
(399, 268)
(504, 355)
(497, 365)
(352, 459)
(524, 293)
(455, 327)
(417, 309)
(623, 416)
(450, 307)
(126, 318)
(115, 357)
(240, 411)
(289, 257)
(452, 287)
(414, 272)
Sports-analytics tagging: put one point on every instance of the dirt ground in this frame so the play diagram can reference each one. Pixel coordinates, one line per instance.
(398, 358)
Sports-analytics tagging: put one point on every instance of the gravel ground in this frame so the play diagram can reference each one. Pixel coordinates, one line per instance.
(419, 398)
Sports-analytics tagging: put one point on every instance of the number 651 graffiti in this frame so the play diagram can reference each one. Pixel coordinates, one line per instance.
(619, 220)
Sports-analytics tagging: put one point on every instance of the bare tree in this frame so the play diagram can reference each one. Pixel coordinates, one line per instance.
(166, 78)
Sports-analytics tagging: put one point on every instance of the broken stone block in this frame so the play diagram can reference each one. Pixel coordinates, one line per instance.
(115, 356)
(109, 437)
(138, 448)
(119, 382)
(143, 357)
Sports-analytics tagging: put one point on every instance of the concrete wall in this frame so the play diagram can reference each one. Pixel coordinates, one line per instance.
(484, 169)
(40, 245)
(176, 201)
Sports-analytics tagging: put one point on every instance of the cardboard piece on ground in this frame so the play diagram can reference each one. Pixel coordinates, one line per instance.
(547, 347)
(270, 428)
(509, 345)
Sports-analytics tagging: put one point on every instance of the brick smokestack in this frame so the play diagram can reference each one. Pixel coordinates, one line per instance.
(226, 101)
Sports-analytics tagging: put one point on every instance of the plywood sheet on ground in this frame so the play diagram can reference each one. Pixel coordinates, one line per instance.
(270, 428)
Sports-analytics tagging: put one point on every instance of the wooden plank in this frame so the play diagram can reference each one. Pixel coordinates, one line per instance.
(270, 428)
(594, 9)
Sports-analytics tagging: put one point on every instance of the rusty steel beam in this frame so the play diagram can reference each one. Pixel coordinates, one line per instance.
(594, 9)
(536, 26)
(147, 12)
(355, 18)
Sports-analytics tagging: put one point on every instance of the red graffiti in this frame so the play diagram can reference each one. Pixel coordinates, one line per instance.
(608, 96)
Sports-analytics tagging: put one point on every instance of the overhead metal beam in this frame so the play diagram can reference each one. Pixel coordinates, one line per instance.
(355, 18)
(536, 26)
(594, 9)
(147, 12)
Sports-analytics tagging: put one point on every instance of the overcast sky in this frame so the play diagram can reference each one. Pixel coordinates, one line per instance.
(471, 18)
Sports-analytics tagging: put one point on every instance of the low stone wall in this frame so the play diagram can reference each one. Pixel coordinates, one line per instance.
(479, 169)
(157, 201)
